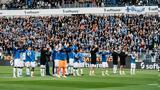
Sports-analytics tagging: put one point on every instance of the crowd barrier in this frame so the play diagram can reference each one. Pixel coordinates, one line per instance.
(90, 10)
(146, 63)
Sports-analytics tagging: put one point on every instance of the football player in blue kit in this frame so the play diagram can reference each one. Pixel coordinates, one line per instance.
(71, 60)
(55, 57)
(30, 61)
(16, 61)
(133, 63)
(76, 61)
(104, 57)
(22, 60)
(81, 61)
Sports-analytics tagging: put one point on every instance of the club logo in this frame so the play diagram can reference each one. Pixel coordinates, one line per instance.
(29, 53)
(134, 9)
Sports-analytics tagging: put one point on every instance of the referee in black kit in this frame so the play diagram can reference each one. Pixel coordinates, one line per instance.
(93, 52)
(48, 55)
(122, 56)
(43, 60)
(115, 60)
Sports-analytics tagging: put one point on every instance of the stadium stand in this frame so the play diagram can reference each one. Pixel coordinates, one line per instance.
(136, 32)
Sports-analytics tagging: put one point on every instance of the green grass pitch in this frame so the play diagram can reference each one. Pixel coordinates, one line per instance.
(143, 80)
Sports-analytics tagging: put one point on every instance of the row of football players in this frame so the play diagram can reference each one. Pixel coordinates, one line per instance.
(20, 56)
(74, 66)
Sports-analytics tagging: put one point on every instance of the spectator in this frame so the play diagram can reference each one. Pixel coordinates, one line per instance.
(137, 32)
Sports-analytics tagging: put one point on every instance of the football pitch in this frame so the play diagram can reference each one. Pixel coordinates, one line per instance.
(143, 80)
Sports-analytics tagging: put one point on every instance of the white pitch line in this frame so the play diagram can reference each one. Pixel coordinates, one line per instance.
(6, 77)
(154, 84)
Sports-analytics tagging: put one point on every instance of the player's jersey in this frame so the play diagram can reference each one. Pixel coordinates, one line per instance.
(37, 55)
(17, 53)
(53, 54)
(76, 58)
(80, 55)
(88, 55)
(133, 59)
(30, 56)
(56, 53)
(62, 56)
(23, 56)
(104, 55)
(74, 47)
(71, 54)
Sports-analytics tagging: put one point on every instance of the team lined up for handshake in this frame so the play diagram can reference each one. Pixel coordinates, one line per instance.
(76, 60)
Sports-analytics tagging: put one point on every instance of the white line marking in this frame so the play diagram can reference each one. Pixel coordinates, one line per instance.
(154, 84)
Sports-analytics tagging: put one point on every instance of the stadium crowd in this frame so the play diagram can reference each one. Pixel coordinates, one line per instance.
(41, 4)
(68, 40)
(134, 32)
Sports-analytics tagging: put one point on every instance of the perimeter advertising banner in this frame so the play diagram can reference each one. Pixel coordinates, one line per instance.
(93, 10)
(141, 9)
(149, 66)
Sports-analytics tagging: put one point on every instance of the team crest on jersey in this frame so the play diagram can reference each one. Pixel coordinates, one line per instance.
(29, 53)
